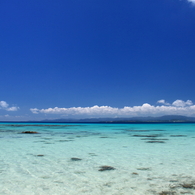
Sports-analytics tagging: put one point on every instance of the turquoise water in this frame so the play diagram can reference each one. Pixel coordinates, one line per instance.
(146, 159)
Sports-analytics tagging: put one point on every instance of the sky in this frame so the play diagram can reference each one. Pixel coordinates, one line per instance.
(82, 59)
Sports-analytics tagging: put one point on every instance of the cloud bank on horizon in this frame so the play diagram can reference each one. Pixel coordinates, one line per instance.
(5, 106)
(178, 107)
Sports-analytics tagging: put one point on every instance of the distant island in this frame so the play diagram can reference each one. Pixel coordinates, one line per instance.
(148, 119)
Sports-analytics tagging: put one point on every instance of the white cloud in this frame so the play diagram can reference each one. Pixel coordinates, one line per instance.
(34, 110)
(163, 102)
(181, 103)
(77, 110)
(189, 102)
(177, 107)
(5, 106)
(12, 108)
(191, 1)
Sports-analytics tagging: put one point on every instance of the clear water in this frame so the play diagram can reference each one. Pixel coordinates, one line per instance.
(148, 159)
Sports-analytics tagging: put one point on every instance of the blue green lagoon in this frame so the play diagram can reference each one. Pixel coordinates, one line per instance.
(97, 159)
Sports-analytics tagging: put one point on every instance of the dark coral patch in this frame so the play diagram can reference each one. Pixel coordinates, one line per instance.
(155, 141)
(188, 185)
(30, 132)
(167, 193)
(154, 135)
(65, 140)
(144, 169)
(106, 168)
(92, 154)
(75, 159)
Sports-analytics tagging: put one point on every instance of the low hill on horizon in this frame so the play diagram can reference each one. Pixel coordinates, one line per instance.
(165, 118)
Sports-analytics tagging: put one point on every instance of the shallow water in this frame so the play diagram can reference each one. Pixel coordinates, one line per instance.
(65, 159)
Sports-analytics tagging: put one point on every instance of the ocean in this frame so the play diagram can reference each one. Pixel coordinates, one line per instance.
(97, 159)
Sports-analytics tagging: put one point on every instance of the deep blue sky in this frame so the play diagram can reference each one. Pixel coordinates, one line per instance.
(73, 53)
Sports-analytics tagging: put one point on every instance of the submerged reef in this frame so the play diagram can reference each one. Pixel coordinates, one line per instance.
(152, 138)
(179, 188)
